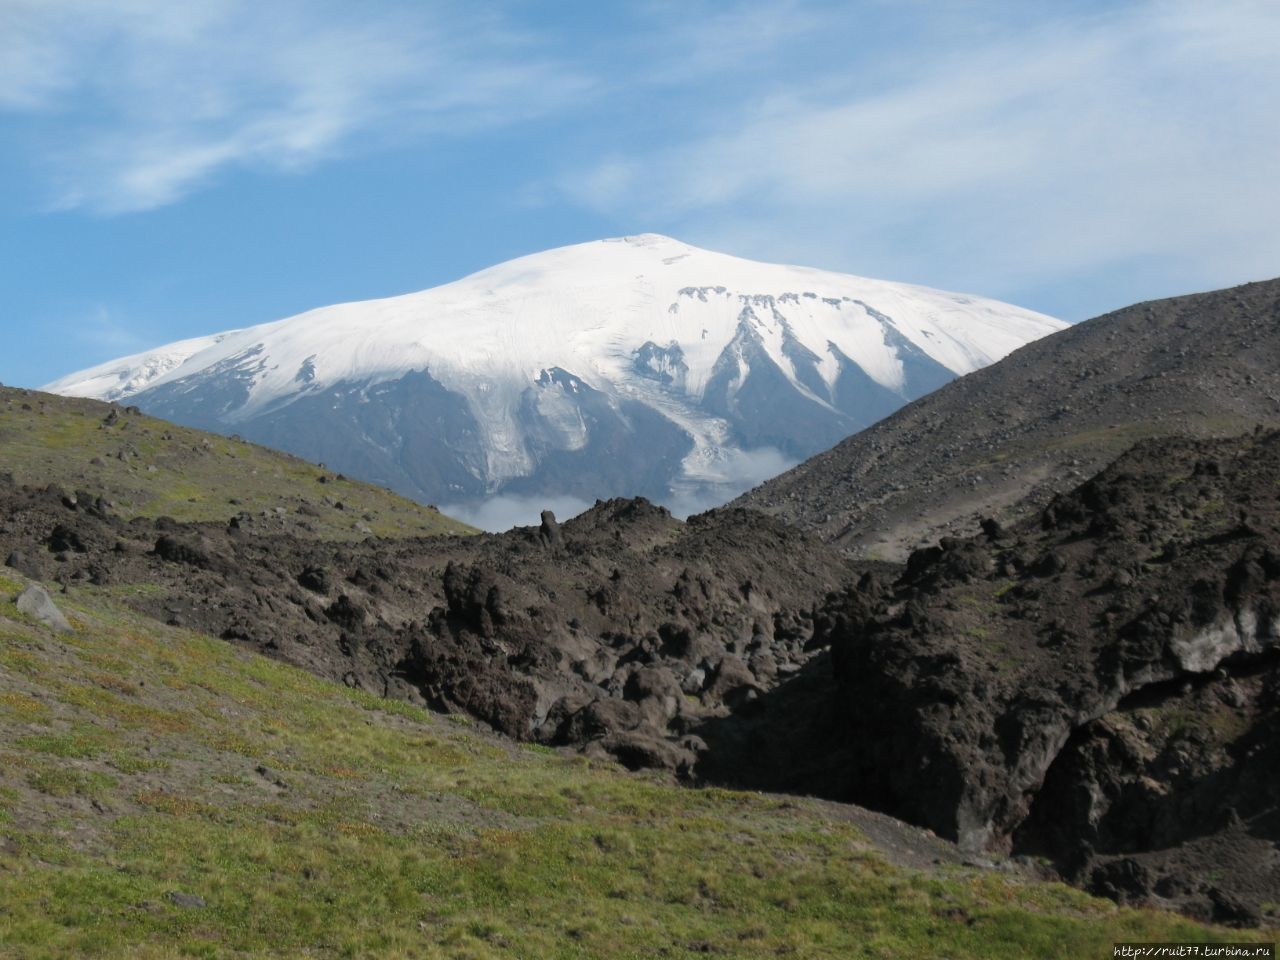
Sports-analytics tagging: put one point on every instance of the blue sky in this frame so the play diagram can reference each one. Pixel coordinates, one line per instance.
(168, 170)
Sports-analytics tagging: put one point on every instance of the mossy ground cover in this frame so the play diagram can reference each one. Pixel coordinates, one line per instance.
(165, 794)
(150, 468)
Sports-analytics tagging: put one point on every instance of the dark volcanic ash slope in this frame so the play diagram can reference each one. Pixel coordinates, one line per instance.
(1099, 685)
(624, 630)
(1003, 440)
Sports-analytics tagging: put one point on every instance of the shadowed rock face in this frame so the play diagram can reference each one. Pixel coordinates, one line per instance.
(1003, 441)
(1094, 683)
(621, 631)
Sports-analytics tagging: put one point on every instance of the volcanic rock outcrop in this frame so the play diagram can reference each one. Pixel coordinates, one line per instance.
(620, 631)
(1097, 685)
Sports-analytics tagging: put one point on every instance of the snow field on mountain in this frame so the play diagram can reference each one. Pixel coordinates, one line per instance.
(570, 353)
(585, 309)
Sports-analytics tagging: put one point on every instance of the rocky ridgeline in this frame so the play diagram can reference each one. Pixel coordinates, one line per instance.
(1003, 441)
(1099, 686)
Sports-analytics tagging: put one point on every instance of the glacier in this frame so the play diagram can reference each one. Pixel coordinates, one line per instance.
(631, 366)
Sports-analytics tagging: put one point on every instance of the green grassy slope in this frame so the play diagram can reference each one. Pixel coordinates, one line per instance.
(150, 468)
(165, 794)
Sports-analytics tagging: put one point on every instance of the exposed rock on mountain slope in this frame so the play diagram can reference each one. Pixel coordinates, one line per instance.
(637, 366)
(1000, 442)
(622, 631)
(1098, 685)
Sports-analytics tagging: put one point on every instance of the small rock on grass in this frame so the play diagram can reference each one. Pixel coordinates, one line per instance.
(35, 602)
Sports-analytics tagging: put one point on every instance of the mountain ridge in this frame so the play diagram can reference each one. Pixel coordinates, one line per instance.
(1009, 437)
(631, 366)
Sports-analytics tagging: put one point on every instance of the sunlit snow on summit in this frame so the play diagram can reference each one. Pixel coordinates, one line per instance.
(632, 366)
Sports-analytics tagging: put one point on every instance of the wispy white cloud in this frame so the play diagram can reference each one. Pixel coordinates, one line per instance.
(689, 40)
(735, 472)
(148, 100)
(33, 64)
(1065, 145)
(500, 513)
(101, 329)
(972, 144)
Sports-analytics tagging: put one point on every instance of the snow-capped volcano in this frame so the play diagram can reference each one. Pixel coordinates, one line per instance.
(632, 366)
